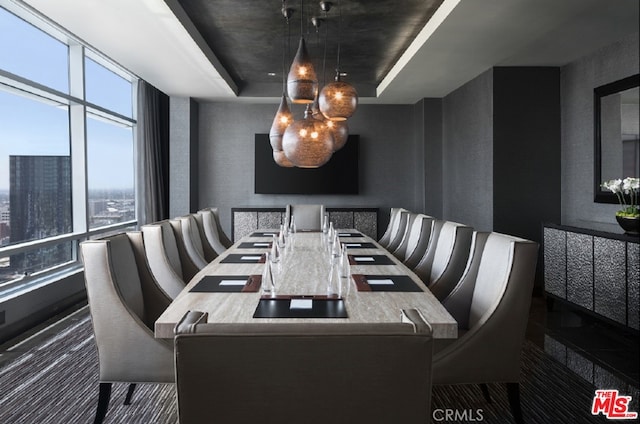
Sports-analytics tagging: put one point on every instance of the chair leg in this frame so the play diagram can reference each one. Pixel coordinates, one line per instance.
(103, 402)
(485, 392)
(513, 393)
(127, 399)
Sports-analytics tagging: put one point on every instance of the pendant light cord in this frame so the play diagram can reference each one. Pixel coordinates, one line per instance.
(339, 38)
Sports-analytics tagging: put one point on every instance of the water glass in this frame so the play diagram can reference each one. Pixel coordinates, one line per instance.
(268, 285)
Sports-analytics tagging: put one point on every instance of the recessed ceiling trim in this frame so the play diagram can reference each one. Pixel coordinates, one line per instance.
(431, 26)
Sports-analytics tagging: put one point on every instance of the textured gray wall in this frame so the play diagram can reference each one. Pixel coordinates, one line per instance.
(432, 138)
(578, 79)
(226, 158)
(467, 154)
(183, 156)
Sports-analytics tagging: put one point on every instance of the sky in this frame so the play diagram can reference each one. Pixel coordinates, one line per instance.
(31, 127)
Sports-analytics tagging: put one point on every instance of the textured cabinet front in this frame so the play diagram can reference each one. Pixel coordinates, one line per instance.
(580, 269)
(244, 223)
(270, 219)
(633, 285)
(367, 222)
(245, 220)
(597, 270)
(610, 279)
(341, 219)
(555, 262)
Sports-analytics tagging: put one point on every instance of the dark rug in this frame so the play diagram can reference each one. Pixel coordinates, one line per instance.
(55, 381)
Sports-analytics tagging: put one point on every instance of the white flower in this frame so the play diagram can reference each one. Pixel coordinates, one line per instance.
(630, 183)
(614, 186)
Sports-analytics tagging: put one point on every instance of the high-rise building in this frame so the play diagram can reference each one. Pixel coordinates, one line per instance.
(40, 207)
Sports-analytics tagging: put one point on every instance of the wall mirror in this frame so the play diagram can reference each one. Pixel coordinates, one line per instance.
(617, 143)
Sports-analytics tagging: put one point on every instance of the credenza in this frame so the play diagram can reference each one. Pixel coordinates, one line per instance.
(245, 220)
(596, 270)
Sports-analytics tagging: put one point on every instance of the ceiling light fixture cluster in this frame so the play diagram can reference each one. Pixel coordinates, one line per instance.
(311, 141)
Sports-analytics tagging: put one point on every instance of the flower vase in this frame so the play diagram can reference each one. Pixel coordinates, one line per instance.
(630, 224)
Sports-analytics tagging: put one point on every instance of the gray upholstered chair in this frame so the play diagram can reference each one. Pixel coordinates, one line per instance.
(386, 237)
(418, 241)
(124, 302)
(401, 250)
(224, 240)
(442, 271)
(458, 300)
(161, 250)
(189, 242)
(311, 373)
(306, 217)
(398, 230)
(209, 233)
(489, 343)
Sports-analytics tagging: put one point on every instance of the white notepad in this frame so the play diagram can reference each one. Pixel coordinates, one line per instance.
(301, 304)
(250, 258)
(232, 282)
(381, 282)
(364, 259)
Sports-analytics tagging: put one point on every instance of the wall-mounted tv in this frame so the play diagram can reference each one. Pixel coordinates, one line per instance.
(338, 176)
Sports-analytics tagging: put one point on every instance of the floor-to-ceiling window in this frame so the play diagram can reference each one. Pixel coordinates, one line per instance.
(66, 147)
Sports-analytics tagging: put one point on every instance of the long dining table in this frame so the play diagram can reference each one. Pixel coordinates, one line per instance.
(378, 289)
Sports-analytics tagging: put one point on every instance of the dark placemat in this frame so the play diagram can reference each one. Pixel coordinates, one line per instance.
(359, 245)
(264, 234)
(228, 283)
(377, 260)
(348, 234)
(401, 283)
(255, 245)
(281, 307)
(236, 258)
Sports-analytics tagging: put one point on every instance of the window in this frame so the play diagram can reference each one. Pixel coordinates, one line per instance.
(52, 117)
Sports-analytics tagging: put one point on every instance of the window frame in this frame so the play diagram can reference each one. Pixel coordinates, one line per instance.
(78, 109)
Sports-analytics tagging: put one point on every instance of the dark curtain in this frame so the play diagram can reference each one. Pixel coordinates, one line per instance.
(153, 154)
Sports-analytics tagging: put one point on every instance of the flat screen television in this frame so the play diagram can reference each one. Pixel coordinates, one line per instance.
(338, 176)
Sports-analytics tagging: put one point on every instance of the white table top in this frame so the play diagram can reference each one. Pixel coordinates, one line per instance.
(305, 271)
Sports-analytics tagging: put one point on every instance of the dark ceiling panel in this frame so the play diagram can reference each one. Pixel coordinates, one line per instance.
(247, 37)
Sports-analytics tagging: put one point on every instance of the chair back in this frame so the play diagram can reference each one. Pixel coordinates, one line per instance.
(189, 244)
(398, 230)
(208, 227)
(307, 217)
(312, 373)
(458, 302)
(449, 259)
(386, 237)
(161, 249)
(127, 349)
(489, 346)
(401, 250)
(156, 300)
(418, 241)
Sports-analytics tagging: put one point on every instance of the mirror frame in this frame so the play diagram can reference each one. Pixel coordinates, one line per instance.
(601, 196)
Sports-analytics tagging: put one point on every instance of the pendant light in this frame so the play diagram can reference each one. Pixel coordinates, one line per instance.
(340, 132)
(339, 129)
(283, 117)
(281, 159)
(338, 100)
(308, 143)
(302, 81)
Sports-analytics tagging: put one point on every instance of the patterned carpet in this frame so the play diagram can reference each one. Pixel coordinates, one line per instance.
(55, 381)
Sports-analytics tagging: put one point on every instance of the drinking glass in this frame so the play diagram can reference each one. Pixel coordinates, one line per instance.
(268, 286)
